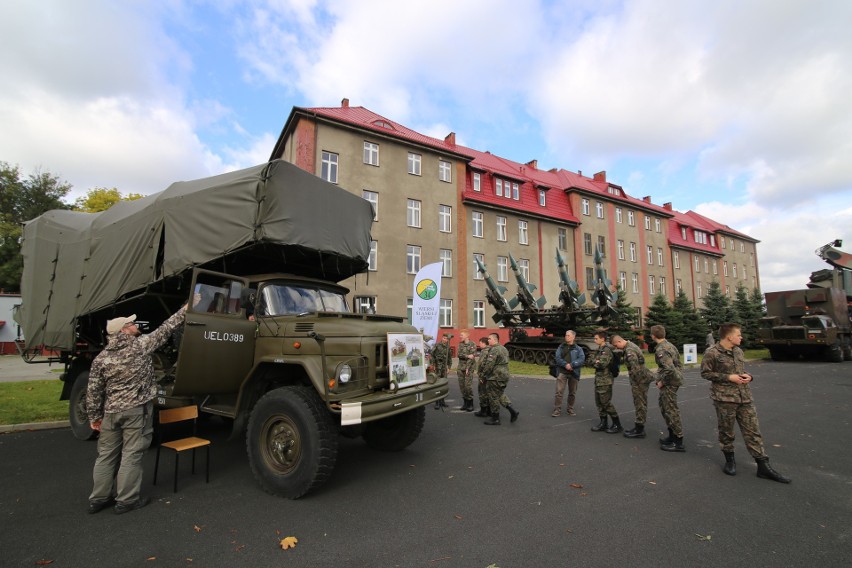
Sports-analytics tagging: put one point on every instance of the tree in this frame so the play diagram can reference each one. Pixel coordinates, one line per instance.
(20, 201)
(626, 309)
(748, 314)
(717, 307)
(694, 328)
(659, 313)
(101, 199)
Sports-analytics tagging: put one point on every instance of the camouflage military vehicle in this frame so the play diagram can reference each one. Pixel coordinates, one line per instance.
(271, 345)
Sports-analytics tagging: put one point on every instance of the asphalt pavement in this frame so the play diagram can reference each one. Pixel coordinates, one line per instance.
(540, 492)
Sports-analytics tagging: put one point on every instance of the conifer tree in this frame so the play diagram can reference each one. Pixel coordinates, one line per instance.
(693, 328)
(717, 307)
(659, 313)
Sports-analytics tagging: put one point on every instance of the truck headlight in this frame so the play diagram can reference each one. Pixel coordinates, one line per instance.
(344, 373)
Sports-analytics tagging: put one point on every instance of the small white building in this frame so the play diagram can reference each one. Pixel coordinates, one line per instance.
(9, 330)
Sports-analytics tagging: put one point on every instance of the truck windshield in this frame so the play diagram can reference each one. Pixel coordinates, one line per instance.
(289, 299)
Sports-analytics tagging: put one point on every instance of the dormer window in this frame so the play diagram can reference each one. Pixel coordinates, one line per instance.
(383, 124)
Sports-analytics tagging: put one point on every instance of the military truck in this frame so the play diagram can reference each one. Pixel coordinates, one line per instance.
(268, 343)
(811, 323)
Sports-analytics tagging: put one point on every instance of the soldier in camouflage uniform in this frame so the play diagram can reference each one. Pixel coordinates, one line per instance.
(118, 403)
(481, 382)
(600, 361)
(640, 379)
(724, 366)
(669, 379)
(467, 355)
(440, 358)
(495, 368)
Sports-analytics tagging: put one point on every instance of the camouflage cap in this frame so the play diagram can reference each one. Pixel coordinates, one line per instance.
(114, 325)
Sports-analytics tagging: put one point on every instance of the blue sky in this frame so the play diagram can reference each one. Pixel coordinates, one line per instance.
(738, 110)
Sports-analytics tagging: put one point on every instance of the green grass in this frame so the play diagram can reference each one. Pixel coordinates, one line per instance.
(32, 401)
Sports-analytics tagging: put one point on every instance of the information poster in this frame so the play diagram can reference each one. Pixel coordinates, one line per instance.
(407, 359)
(690, 354)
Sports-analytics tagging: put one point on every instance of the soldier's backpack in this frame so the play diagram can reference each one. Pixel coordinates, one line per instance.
(614, 364)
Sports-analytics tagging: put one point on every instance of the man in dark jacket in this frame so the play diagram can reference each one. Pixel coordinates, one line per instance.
(569, 359)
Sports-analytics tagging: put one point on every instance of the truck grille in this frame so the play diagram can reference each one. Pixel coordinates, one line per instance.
(789, 333)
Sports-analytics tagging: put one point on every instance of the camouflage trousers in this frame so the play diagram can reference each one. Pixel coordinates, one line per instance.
(465, 376)
(639, 388)
(670, 410)
(603, 400)
(495, 395)
(732, 413)
(563, 380)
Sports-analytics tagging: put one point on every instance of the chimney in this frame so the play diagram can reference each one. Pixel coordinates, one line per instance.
(344, 103)
(647, 199)
(553, 170)
(533, 164)
(579, 172)
(600, 176)
(451, 139)
(668, 206)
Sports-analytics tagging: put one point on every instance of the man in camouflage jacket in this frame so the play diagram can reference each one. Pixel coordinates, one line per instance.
(440, 359)
(669, 379)
(494, 366)
(640, 379)
(467, 356)
(724, 366)
(481, 382)
(118, 403)
(600, 361)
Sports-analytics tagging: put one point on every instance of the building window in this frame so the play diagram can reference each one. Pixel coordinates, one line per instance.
(676, 259)
(620, 250)
(477, 224)
(587, 243)
(751, 259)
(700, 237)
(498, 187)
(715, 267)
(634, 278)
(725, 267)
(678, 286)
(698, 287)
(329, 167)
(446, 256)
(742, 246)
(663, 285)
(477, 182)
(590, 278)
(371, 153)
(622, 280)
(501, 228)
(650, 254)
(713, 241)
(727, 290)
(651, 285)
(445, 315)
(722, 241)
(477, 275)
(365, 304)
(647, 223)
(562, 238)
(743, 271)
(599, 209)
(373, 198)
(444, 171)
(414, 163)
(585, 203)
(618, 218)
(523, 235)
(657, 226)
(697, 264)
(602, 246)
(445, 218)
(373, 261)
(502, 269)
(542, 200)
(631, 219)
(413, 218)
(659, 256)
(524, 266)
(409, 307)
(706, 266)
(412, 259)
(632, 252)
(734, 269)
(683, 233)
(731, 241)
(478, 313)
(516, 192)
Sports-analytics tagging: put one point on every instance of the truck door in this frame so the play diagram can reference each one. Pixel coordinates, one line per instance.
(217, 348)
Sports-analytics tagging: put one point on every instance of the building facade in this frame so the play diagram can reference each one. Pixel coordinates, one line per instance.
(438, 201)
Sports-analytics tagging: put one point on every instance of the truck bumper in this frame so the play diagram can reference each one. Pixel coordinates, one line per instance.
(376, 406)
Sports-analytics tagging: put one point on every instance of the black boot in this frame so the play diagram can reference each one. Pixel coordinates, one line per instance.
(616, 426)
(675, 446)
(765, 471)
(469, 405)
(514, 413)
(638, 431)
(464, 405)
(601, 426)
(494, 420)
(730, 467)
(483, 411)
(669, 439)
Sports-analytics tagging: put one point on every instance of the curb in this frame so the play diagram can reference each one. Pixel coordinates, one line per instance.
(9, 428)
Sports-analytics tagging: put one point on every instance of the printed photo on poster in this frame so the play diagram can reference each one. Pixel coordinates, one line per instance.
(407, 359)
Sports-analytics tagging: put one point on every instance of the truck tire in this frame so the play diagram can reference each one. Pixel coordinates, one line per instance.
(835, 353)
(291, 442)
(77, 409)
(396, 432)
(776, 354)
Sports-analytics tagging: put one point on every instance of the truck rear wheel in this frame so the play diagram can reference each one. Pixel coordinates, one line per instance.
(835, 353)
(77, 408)
(396, 432)
(291, 442)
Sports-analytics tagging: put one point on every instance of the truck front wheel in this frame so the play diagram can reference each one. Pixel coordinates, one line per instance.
(77, 408)
(835, 353)
(291, 442)
(395, 432)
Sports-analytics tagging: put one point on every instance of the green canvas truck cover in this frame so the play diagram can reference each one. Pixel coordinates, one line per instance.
(274, 217)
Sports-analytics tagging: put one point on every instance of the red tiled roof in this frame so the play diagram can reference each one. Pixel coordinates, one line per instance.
(719, 227)
(691, 223)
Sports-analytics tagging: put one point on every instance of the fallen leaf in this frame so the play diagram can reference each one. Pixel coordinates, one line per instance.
(776, 445)
(583, 494)
(575, 485)
(459, 517)
(197, 528)
(239, 548)
(652, 482)
(702, 537)
(43, 562)
(450, 477)
(151, 558)
(288, 542)
(277, 532)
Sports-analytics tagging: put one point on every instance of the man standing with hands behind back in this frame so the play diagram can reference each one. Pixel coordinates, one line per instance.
(724, 367)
